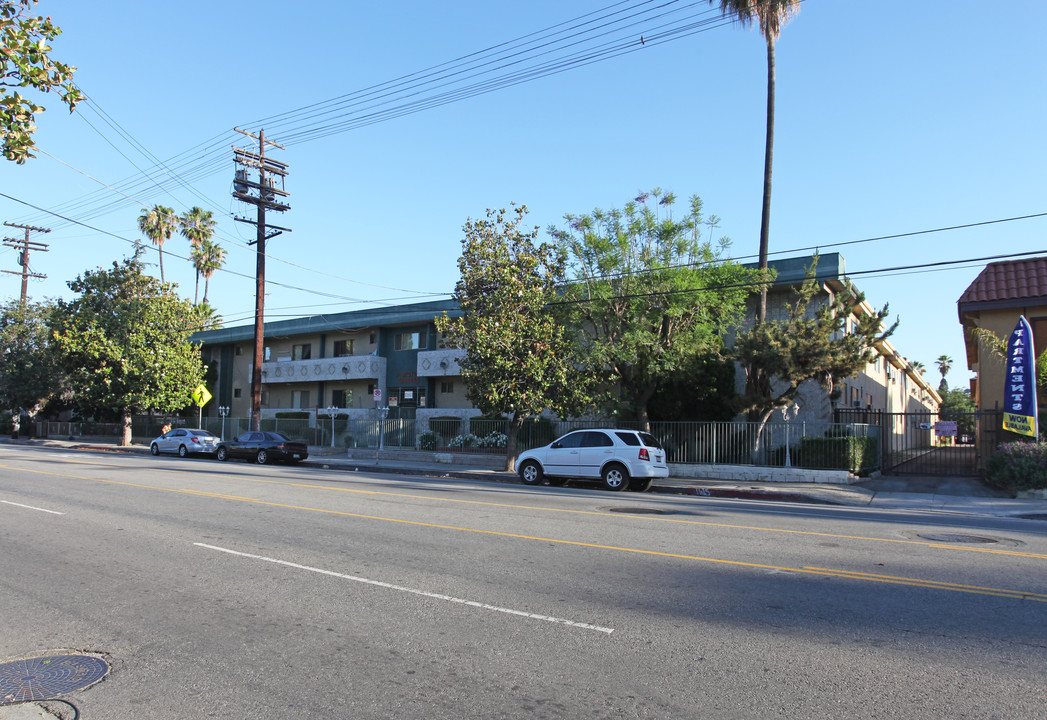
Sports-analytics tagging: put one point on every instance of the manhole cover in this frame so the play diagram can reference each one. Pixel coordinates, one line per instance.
(945, 537)
(641, 511)
(45, 678)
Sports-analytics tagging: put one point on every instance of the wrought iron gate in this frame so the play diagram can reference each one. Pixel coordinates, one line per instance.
(924, 444)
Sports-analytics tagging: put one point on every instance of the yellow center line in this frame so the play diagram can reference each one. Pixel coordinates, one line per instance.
(846, 574)
(649, 518)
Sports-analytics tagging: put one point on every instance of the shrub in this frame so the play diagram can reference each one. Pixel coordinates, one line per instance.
(464, 441)
(496, 440)
(1018, 466)
(855, 454)
(429, 440)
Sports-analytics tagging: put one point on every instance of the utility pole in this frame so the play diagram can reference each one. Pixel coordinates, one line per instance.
(24, 246)
(268, 170)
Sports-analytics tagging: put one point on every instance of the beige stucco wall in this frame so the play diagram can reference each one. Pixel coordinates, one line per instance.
(990, 384)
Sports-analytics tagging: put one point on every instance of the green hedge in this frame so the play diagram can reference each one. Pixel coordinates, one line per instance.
(856, 454)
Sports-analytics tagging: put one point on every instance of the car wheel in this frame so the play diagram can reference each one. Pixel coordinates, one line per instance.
(531, 473)
(640, 484)
(615, 477)
(154, 449)
(262, 457)
(182, 451)
(222, 454)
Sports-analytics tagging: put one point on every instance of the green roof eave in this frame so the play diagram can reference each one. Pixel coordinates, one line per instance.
(412, 314)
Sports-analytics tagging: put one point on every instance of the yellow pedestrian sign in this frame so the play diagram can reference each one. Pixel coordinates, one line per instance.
(200, 396)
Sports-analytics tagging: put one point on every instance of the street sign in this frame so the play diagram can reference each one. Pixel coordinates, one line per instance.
(378, 395)
(200, 395)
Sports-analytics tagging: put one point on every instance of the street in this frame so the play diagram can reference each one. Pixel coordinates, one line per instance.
(242, 591)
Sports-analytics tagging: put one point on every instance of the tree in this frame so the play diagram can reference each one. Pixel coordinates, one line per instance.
(124, 343)
(208, 258)
(919, 366)
(518, 358)
(647, 294)
(702, 390)
(944, 363)
(158, 224)
(29, 374)
(957, 406)
(207, 317)
(24, 62)
(197, 225)
(810, 345)
(771, 15)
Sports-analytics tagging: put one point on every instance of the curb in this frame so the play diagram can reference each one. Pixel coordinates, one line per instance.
(753, 495)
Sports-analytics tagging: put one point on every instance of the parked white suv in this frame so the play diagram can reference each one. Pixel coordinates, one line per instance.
(621, 458)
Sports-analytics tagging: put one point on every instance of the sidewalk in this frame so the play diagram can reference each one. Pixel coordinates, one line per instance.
(942, 494)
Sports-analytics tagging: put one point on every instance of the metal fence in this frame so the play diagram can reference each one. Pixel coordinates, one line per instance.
(827, 446)
(852, 446)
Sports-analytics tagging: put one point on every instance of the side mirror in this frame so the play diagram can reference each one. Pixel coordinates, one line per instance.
(557, 445)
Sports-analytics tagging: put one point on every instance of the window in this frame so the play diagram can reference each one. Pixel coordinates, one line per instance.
(300, 399)
(596, 439)
(343, 348)
(409, 341)
(302, 352)
(569, 441)
(239, 349)
(374, 337)
(447, 387)
(342, 398)
(1039, 334)
(268, 353)
(237, 392)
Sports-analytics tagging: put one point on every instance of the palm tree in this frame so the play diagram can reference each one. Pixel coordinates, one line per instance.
(771, 15)
(944, 363)
(197, 225)
(918, 366)
(158, 224)
(209, 257)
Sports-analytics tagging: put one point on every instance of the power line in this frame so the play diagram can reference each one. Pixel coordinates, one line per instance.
(755, 284)
(629, 20)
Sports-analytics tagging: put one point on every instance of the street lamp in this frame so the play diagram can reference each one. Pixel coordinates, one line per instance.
(789, 413)
(383, 413)
(331, 410)
(223, 410)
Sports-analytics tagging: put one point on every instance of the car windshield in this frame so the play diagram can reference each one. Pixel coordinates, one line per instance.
(200, 433)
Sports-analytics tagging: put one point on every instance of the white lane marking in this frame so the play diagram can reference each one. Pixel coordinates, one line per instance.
(425, 593)
(30, 507)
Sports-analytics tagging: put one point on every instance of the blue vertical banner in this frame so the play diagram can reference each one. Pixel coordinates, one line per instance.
(1019, 394)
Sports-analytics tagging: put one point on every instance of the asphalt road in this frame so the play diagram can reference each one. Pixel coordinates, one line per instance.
(242, 591)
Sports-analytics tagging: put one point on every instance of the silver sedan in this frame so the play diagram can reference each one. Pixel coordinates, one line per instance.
(184, 441)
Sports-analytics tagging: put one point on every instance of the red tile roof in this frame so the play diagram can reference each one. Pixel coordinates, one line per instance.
(1009, 280)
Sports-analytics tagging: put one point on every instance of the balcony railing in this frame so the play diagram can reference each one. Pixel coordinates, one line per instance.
(439, 363)
(350, 367)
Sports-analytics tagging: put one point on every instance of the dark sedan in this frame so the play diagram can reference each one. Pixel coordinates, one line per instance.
(263, 447)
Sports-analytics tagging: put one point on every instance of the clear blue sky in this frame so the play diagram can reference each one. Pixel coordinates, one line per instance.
(892, 117)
